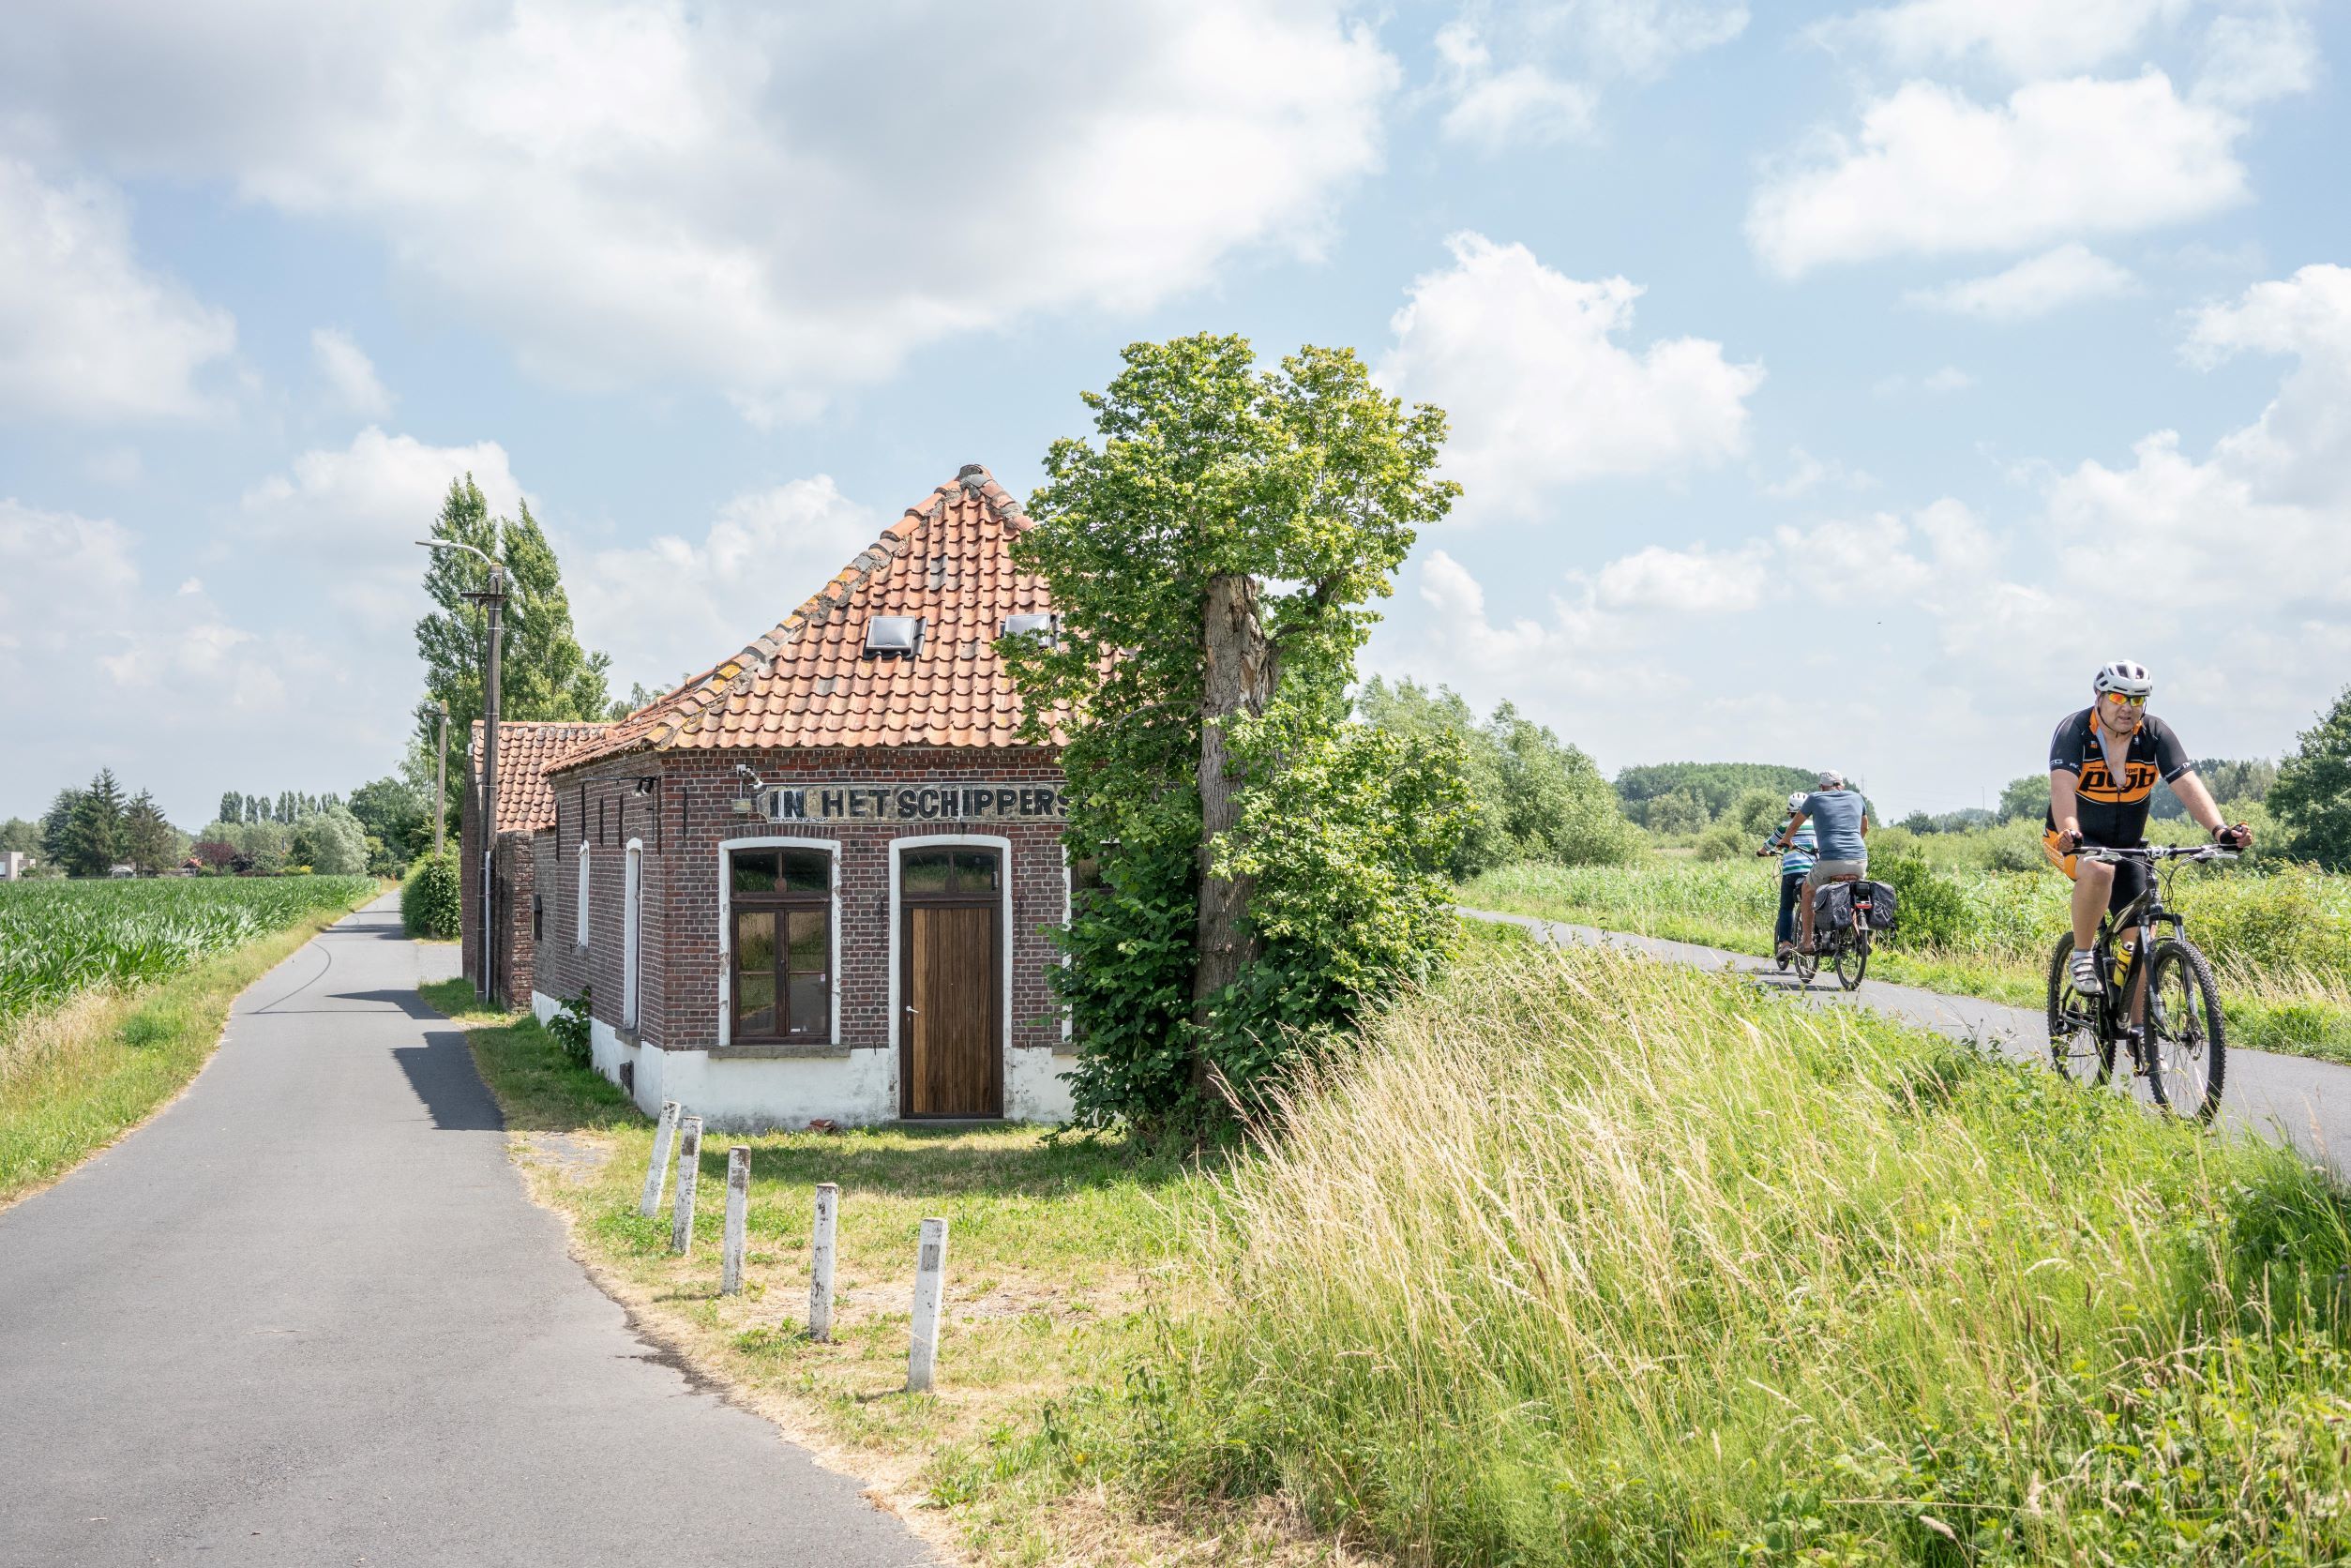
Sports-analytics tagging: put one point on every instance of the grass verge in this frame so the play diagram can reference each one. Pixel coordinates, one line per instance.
(80, 1076)
(1586, 1258)
(1063, 1254)
(2286, 1010)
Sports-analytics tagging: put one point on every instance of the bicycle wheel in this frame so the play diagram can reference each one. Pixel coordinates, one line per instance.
(1853, 959)
(2185, 1034)
(2078, 1048)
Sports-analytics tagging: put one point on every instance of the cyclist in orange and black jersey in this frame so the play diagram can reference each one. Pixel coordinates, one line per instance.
(2104, 765)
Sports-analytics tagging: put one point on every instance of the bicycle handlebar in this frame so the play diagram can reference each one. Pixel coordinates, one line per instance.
(2157, 852)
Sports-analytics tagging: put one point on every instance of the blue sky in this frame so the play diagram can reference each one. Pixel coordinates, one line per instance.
(1832, 385)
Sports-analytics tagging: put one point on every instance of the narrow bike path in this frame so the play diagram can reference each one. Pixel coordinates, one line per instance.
(308, 1315)
(2307, 1103)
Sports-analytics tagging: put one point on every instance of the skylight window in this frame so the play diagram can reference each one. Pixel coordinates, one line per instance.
(1039, 627)
(893, 636)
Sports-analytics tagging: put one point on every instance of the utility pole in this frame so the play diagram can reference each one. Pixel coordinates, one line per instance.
(440, 781)
(493, 599)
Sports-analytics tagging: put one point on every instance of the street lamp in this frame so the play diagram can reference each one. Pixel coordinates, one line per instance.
(494, 600)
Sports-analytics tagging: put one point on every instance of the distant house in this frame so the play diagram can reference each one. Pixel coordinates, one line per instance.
(14, 864)
(818, 880)
(122, 870)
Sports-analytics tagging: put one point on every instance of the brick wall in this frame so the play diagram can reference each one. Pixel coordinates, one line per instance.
(689, 812)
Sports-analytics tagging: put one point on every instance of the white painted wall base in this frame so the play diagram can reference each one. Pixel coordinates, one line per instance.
(758, 1094)
(1035, 1088)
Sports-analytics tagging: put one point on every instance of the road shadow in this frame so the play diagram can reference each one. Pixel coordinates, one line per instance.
(441, 1071)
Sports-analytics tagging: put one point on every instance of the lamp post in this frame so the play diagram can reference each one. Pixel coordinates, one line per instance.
(441, 781)
(494, 600)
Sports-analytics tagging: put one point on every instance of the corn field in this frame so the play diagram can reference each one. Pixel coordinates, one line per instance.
(60, 939)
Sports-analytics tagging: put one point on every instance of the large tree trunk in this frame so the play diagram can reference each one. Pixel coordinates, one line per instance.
(1240, 677)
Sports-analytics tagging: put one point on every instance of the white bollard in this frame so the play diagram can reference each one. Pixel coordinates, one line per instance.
(828, 1210)
(930, 1267)
(689, 1172)
(658, 1172)
(738, 1200)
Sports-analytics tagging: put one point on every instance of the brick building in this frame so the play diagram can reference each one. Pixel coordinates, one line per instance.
(819, 879)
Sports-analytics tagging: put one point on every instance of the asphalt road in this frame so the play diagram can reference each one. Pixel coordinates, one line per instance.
(307, 1316)
(2305, 1102)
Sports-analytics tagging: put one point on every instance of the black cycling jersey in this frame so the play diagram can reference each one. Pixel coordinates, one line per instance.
(2114, 811)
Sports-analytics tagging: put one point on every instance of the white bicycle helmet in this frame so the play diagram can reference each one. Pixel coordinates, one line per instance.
(1796, 801)
(2130, 680)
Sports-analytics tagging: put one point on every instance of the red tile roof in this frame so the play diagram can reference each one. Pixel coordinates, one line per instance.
(807, 683)
(525, 752)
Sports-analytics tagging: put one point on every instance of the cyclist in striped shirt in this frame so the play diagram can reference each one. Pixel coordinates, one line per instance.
(1803, 846)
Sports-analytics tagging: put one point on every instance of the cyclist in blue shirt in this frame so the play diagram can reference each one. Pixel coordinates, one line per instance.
(1843, 847)
(1802, 849)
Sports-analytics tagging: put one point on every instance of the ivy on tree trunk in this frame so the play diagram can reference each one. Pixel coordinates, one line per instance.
(1212, 554)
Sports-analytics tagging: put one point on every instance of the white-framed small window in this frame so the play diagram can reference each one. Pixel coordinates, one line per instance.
(632, 921)
(579, 903)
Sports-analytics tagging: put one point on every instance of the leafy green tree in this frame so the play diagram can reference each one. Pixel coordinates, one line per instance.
(2028, 796)
(1679, 810)
(2312, 796)
(149, 843)
(2233, 781)
(1212, 558)
(18, 834)
(1531, 797)
(330, 842)
(398, 816)
(544, 671)
(1715, 785)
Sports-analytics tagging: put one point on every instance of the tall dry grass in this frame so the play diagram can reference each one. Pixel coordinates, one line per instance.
(1585, 1259)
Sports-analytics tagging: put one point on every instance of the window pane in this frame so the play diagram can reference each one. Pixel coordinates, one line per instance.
(755, 999)
(927, 871)
(805, 932)
(810, 1012)
(975, 871)
(755, 939)
(755, 870)
(808, 871)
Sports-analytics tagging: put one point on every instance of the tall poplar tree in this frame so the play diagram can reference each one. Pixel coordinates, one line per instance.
(544, 672)
(1266, 866)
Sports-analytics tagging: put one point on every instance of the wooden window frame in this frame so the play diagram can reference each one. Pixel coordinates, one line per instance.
(731, 903)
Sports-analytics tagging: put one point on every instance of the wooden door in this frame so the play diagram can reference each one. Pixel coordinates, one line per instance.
(952, 1058)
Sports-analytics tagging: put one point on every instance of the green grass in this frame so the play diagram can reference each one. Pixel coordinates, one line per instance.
(78, 1074)
(1579, 1260)
(2280, 939)
(1588, 1259)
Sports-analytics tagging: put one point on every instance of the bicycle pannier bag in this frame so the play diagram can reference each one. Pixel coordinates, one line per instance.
(1881, 906)
(1833, 906)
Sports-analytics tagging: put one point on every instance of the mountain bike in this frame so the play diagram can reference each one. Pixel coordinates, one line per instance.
(2181, 1048)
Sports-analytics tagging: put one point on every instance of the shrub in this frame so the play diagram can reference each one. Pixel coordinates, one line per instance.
(431, 901)
(1725, 841)
(571, 1030)
(1932, 909)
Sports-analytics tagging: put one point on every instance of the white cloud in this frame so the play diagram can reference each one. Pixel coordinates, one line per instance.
(1695, 581)
(1555, 58)
(768, 199)
(1951, 378)
(2034, 287)
(674, 606)
(1521, 73)
(350, 372)
(353, 515)
(1807, 474)
(85, 332)
(2250, 59)
(2024, 39)
(1527, 363)
(1934, 173)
